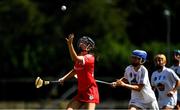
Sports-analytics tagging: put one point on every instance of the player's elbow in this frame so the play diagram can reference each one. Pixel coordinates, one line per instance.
(178, 83)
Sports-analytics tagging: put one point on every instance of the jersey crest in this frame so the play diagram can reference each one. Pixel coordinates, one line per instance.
(134, 81)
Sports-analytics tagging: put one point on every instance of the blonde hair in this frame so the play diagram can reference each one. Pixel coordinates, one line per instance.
(161, 56)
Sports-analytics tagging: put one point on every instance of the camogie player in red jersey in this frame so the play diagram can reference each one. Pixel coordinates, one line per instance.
(87, 95)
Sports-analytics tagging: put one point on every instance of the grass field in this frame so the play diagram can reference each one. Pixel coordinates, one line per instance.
(56, 104)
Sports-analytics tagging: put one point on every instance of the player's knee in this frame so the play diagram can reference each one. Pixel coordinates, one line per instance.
(69, 108)
(91, 106)
(88, 106)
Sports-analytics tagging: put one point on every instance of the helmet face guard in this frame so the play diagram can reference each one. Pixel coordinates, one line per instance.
(90, 44)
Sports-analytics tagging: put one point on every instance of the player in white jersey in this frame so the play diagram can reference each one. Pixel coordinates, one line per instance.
(136, 78)
(166, 82)
(176, 62)
(176, 68)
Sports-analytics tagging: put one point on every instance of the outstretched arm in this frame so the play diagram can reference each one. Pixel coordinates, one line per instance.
(124, 83)
(73, 53)
(69, 75)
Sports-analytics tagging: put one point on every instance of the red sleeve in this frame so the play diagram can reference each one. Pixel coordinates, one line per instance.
(89, 59)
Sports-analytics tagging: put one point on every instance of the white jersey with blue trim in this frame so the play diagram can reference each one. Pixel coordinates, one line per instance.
(165, 81)
(177, 71)
(146, 95)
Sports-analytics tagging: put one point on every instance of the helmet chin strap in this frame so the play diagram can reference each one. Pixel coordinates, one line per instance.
(85, 50)
(142, 61)
(88, 47)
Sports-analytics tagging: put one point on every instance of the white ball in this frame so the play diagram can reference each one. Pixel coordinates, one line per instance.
(63, 8)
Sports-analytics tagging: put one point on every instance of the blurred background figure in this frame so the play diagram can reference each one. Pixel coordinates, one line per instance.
(166, 82)
(176, 62)
(176, 67)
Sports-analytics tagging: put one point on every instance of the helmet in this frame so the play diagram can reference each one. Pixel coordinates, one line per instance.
(177, 52)
(140, 54)
(88, 41)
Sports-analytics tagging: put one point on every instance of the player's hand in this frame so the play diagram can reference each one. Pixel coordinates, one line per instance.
(70, 39)
(170, 93)
(120, 82)
(113, 84)
(61, 81)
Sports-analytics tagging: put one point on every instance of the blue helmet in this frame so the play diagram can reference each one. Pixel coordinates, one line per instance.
(140, 53)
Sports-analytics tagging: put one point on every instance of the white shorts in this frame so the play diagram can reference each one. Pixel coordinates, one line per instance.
(169, 102)
(152, 105)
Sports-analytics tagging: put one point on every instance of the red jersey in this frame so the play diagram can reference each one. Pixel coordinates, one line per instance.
(87, 87)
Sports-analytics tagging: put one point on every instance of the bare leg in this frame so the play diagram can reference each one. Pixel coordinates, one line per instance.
(88, 106)
(167, 108)
(74, 105)
(177, 106)
(132, 107)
